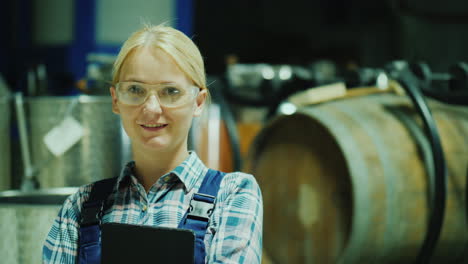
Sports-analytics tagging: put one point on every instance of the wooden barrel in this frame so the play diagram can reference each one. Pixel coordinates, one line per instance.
(348, 182)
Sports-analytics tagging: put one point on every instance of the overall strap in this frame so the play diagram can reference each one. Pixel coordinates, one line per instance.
(90, 229)
(201, 207)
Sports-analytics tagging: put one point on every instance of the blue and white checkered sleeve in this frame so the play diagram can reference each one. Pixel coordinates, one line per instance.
(61, 244)
(239, 235)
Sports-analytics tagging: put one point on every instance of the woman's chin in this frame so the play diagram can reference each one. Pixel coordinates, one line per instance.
(154, 144)
(160, 143)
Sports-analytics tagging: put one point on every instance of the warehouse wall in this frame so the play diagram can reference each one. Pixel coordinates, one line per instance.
(60, 34)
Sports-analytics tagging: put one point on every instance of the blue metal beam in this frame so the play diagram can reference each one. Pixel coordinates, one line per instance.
(84, 36)
(184, 16)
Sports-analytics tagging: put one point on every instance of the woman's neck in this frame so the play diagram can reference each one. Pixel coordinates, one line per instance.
(151, 165)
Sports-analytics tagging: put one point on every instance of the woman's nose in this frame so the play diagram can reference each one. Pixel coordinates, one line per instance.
(152, 104)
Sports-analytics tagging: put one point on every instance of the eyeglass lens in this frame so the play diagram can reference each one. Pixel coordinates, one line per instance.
(168, 94)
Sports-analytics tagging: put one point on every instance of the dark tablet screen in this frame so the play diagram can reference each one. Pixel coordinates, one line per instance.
(123, 243)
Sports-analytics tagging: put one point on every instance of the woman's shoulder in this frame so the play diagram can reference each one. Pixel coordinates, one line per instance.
(239, 178)
(76, 200)
(73, 204)
(83, 192)
(235, 182)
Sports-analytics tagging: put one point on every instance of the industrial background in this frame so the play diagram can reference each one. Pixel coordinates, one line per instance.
(352, 116)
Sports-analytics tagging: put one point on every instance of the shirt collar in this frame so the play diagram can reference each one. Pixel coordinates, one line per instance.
(188, 172)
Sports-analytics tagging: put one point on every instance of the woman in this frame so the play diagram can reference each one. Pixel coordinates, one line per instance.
(158, 87)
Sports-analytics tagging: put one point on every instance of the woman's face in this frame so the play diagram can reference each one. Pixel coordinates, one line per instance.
(150, 125)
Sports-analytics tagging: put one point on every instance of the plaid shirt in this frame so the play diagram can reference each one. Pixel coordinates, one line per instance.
(234, 234)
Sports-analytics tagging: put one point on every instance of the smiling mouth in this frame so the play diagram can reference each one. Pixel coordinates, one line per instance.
(153, 125)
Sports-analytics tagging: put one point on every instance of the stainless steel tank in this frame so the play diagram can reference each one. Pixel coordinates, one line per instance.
(5, 151)
(97, 155)
(25, 220)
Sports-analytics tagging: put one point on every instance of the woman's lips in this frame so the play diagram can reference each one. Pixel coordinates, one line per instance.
(157, 127)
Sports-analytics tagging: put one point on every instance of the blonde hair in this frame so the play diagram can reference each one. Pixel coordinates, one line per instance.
(175, 43)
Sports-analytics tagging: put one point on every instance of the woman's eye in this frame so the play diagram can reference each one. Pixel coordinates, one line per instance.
(135, 89)
(171, 91)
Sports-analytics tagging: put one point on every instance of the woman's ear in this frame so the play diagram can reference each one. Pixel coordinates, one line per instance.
(115, 107)
(200, 102)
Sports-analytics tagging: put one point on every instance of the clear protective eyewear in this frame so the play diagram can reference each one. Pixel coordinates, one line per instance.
(168, 94)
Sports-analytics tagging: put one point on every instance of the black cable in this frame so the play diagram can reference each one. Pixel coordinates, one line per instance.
(226, 114)
(439, 183)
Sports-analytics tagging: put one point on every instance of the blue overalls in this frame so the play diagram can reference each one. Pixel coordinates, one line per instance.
(196, 218)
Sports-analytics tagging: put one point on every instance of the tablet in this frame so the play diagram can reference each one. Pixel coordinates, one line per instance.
(124, 243)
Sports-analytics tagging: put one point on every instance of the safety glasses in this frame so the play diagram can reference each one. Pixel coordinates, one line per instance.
(168, 94)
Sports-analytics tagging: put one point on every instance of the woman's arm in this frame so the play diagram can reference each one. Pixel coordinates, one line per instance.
(61, 244)
(238, 238)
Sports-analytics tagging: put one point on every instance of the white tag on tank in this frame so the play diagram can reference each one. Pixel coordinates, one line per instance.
(63, 136)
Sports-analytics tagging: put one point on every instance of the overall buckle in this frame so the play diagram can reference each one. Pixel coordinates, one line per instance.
(201, 206)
